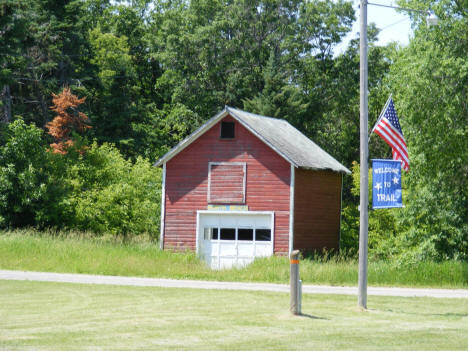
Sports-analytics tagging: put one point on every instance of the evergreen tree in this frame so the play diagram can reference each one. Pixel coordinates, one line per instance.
(67, 121)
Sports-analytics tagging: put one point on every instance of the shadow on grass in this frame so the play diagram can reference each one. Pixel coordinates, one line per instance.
(305, 315)
(448, 314)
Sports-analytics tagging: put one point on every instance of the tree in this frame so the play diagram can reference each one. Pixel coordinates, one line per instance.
(217, 52)
(13, 29)
(23, 174)
(430, 80)
(48, 52)
(67, 121)
(278, 98)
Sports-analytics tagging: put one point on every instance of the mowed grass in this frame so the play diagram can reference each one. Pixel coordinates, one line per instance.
(79, 253)
(58, 316)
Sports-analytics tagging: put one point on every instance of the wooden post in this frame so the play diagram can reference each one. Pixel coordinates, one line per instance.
(295, 305)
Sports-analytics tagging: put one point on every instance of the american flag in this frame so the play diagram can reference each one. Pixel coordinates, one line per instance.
(389, 130)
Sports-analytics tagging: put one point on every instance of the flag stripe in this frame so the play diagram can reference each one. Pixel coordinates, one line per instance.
(385, 122)
(389, 129)
(396, 156)
(390, 141)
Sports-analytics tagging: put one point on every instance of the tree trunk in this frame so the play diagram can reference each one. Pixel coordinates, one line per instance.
(6, 97)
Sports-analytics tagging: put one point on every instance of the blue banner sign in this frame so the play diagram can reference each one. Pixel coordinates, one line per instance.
(386, 184)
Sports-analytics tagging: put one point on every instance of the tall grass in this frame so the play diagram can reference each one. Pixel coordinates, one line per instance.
(140, 256)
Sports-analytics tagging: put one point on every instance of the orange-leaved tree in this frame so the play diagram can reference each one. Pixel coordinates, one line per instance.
(68, 120)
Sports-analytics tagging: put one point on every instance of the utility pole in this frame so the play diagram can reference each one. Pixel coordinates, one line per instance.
(431, 20)
(364, 155)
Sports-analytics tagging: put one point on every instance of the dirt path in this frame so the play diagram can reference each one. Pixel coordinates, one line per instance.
(202, 284)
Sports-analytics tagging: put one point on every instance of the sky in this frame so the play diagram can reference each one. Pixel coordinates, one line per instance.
(394, 26)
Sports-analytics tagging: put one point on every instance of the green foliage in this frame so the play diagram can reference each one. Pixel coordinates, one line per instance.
(111, 55)
(110, 194)
(429, 78)
(383, 229)
(13, 26)
(23, 174)
(227, 52)
(96, 190)
(420, 231)
(278, 98)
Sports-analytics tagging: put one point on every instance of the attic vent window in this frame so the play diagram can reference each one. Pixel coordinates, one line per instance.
(227, 130)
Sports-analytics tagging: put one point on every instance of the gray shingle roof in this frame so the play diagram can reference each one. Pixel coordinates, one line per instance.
(282, 137)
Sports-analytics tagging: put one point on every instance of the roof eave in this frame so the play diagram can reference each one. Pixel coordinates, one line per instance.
(343, 170)
(259, 136)
(215, 119)
(205, 127)
(191, 138)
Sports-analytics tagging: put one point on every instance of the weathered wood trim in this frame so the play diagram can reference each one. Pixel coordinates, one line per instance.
(163, 207)
(291, 210)
(205, 127)
(191, 138)
(272, 232)
(254, 132)
(244, 181)
(237, 212)
(197, 234)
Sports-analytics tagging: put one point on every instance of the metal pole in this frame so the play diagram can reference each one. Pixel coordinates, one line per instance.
(362, 280)
(294, 305)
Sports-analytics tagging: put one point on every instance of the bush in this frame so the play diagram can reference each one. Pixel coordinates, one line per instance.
(24, 174)
(110, 194)
(382, 228)
(424, 230)
(91, 188)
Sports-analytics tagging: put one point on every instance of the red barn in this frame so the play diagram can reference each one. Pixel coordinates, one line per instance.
(244, 186)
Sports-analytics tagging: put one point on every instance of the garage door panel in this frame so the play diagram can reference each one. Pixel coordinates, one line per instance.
(262, 249)
(229, 221)
(262, 222)
(227, 249)
(242, 262)
(213, 262)
(235, 246)
(245, 249)
(227, 262)
(211, 247)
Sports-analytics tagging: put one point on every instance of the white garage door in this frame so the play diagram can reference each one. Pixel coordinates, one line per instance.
(233, 239)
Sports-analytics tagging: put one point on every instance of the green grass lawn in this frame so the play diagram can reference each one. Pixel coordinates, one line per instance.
(29, 250)
(58, 316)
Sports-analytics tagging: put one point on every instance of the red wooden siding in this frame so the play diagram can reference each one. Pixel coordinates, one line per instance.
(267, 184)
(317, 206)
(226, 183)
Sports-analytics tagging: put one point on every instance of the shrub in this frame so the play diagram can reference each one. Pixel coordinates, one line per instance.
(91, 188)
(423, 230)
(110, 194)
(24, 174)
